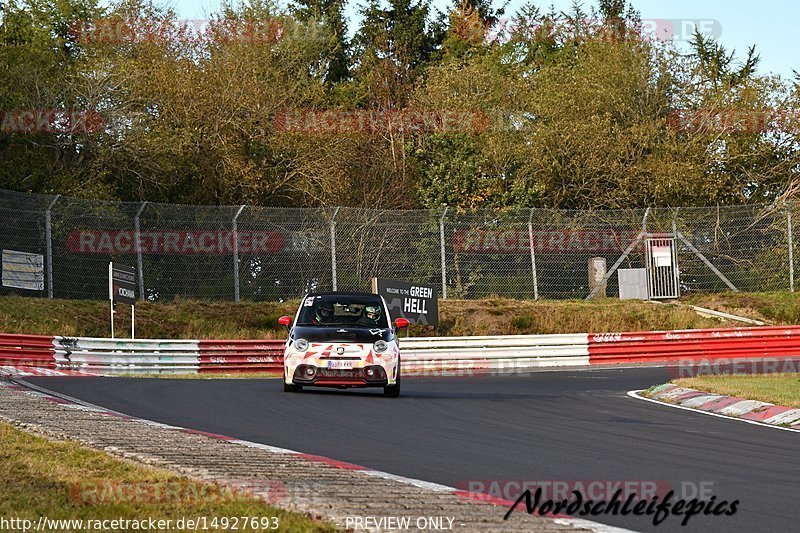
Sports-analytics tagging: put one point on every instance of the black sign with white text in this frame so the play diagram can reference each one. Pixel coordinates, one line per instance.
(123, 284)
(417, 302)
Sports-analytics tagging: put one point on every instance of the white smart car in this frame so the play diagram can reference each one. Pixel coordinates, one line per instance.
(343, 340)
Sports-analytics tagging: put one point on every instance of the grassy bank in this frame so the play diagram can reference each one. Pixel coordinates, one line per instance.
(206, 320)
(63, 480)
(772, 307)
(780, 389)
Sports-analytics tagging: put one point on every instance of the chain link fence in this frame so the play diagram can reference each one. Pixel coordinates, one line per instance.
(259, 253)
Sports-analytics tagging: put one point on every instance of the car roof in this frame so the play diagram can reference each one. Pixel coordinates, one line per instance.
(342, 293)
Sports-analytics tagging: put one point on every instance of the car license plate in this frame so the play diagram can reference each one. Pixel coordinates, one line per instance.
(340, 365)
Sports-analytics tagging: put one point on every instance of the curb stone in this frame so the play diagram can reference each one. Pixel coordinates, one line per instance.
(731, 406)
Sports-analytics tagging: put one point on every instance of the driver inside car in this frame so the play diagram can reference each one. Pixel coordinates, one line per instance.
(370, 316)
(324, 313)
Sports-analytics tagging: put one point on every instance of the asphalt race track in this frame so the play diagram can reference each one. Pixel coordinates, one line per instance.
(544, 426)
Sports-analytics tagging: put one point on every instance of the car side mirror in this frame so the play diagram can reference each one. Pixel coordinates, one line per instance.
(401, 322)
(285, 321)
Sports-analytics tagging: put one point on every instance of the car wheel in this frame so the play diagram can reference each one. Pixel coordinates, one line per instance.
(393, 391)
(290, 388)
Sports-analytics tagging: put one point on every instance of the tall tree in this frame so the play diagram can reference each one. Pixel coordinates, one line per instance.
(329, 14)
(394, 44)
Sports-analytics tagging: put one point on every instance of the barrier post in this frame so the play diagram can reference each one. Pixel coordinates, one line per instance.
(533, 258)
(791, 248)
(333, 248)
(441, 239)
(138, 241)
(111, 294)
(48, 237)
(236, 255)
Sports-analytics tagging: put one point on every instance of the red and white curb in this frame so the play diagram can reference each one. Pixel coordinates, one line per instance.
(75, 403)
(750, 411)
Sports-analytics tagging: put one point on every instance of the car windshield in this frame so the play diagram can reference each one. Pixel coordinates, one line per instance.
(343, 310)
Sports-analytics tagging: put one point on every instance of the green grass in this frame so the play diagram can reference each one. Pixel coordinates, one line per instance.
(64, 480)
(780, 389)
(778, 308)
(188, 319)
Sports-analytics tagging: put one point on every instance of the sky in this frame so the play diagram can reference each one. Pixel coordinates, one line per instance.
(772, 25)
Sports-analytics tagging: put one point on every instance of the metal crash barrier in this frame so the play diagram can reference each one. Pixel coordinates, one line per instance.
(418, 355)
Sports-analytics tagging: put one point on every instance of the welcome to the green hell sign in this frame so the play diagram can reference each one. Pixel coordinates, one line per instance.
(414, 301)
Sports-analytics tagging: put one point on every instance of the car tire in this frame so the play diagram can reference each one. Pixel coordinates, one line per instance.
(393, 391)
(291, 388)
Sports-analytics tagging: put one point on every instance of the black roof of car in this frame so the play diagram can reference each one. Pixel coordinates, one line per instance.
(341, 293)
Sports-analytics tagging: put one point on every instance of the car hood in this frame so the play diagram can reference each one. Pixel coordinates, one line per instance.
(341, 334)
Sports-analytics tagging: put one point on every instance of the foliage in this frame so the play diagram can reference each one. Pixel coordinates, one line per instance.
(576, 109)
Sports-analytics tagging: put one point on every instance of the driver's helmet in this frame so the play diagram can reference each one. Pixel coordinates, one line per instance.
(373, 312)
(324, 311)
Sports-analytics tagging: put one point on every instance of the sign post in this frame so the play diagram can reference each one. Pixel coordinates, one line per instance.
(414, 301)
(122, 288)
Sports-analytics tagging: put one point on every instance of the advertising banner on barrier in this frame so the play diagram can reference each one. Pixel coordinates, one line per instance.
(417, 302)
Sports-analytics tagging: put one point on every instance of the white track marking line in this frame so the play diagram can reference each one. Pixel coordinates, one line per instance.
(588, 524)
(635, 394)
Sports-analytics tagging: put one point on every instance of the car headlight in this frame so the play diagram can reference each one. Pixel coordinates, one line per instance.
(301, 345)
(380, 346)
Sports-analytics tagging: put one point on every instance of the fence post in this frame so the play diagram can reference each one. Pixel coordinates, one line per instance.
(138, 241)
(48, 237)
(533, 257)
(333, 248)
(236, 255)
(791, 248)
(441, 239)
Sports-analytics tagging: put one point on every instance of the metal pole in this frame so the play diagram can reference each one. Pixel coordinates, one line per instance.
(138, 241)
(133, 322)
(441, 238)
(333, 248)
(236, 256)
(677, 270)
(791, 248)
(48, 234)
(675, 223)
(533, 258)
(111, 295)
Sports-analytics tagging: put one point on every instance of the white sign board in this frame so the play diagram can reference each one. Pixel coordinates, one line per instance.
(632, 283)
(662, 256)
(22, 270)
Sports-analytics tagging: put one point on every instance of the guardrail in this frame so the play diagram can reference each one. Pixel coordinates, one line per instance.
(694, 345)
(125, 355)
(423, 354)
(428, 354)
